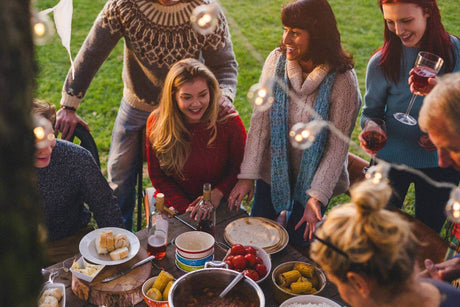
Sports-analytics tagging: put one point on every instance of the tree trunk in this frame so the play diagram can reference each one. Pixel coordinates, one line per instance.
(20, 249)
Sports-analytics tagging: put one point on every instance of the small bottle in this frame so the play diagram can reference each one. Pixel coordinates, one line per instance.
(208, 222)
(158, 230)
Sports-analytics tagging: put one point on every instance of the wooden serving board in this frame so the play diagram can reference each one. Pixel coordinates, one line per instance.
(123, 291)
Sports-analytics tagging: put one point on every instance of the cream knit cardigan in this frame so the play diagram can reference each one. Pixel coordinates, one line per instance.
(331, 177)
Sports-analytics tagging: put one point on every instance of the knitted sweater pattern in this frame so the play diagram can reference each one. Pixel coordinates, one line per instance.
(331, 176)
(156, 37)
(71, 179)
(218, 163)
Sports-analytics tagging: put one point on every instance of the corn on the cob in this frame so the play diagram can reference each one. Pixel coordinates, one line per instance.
(288, 277)
(162, 280)
(154, 294)
(166, 290)
(301, 287)
(305, 269)
(301, 278)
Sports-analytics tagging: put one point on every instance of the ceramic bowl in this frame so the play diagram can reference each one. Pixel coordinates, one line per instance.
(194, 262)
(84, 270)
(187, 268)
(282, 295)
(194, 244)
(308, 299)
(152, 303)
(260, 252)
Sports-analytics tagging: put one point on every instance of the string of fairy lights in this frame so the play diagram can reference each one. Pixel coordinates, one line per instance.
(204, 20)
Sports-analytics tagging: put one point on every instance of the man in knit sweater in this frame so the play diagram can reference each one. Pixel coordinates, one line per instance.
(157, 34)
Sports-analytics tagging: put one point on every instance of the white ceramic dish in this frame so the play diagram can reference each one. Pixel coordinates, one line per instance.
(88, 246)
(58, 285)
(260, 252)
(194, 244)
(82, 264)
(305, 299)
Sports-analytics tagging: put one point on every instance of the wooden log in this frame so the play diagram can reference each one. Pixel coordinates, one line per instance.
(123, 291)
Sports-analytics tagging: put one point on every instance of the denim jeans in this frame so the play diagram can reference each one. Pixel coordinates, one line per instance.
(262, 206)
(429, 200)
(123, 158)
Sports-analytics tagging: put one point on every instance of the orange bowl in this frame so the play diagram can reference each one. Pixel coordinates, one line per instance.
(152, 303)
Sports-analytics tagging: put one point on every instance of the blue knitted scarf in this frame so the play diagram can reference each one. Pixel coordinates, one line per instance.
(311, 157)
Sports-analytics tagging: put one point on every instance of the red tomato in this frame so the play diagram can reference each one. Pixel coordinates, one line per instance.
(239, 262)
(229, 258)
(237, 249)
(261, 269)
(251, 259)
(250, 250)
(230, 264)
(259, 260)
(251, 274)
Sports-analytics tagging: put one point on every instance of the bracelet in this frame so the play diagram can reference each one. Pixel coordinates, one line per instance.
(68, 108)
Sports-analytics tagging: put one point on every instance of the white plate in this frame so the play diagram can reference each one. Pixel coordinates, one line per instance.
(58, 285)
(305, 299)
(88, 246)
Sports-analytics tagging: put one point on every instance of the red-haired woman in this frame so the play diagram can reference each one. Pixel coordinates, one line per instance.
(410, 26)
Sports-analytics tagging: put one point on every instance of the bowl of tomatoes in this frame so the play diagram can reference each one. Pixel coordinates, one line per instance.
(253, 261)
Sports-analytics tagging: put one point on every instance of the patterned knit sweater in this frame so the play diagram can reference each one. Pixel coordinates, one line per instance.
(155, 37)
(217, 164)
(331, 177)
(71, 179)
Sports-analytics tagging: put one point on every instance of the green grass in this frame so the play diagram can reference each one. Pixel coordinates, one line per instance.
(258, 22)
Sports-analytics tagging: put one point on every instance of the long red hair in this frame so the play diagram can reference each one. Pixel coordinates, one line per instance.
(435, 40)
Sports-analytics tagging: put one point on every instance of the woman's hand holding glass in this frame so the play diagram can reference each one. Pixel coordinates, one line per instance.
(242, 188)
(311, 216)
(373, 137)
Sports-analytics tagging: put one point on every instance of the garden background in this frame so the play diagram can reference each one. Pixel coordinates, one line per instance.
(256, 30)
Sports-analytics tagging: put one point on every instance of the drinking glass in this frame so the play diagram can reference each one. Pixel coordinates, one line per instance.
(375, 136)
(427, 65)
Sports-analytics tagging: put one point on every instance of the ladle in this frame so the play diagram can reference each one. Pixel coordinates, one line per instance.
(232, 284)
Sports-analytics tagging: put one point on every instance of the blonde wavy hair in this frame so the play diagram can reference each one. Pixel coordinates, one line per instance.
(170, 137)
(373, 242)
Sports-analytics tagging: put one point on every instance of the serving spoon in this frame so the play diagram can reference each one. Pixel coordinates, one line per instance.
(232, 284)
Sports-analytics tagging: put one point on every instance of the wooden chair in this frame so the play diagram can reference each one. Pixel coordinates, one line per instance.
(356, 165)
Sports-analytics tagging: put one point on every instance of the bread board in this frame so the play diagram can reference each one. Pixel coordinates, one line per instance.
(123, 291)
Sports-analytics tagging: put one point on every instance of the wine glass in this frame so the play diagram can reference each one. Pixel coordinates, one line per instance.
(427, 65)
(374, 136)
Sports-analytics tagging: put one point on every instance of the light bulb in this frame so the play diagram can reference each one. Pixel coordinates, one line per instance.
(453, 206)
(303, 135)
(378, 173)
(42, 28)
(43, 132)
(205, 18)
(260, 96)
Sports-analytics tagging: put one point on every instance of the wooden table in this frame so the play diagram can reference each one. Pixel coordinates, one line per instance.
(224, 216)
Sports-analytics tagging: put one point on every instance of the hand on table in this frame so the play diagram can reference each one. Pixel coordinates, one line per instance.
(311, 216)
(447, 271)
(431, 83)
(242, 188)
(225, 106)
(66, 121)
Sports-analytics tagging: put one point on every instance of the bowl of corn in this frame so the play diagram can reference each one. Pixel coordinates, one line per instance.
(296, 278)
(155, 290)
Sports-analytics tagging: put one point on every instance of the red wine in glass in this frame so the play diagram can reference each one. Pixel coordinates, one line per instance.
(375, 140)
(420, 78)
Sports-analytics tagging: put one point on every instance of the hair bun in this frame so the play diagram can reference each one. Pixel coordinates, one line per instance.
(370, 197)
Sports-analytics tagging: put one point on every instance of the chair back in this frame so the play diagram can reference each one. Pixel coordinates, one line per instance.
(86, 141)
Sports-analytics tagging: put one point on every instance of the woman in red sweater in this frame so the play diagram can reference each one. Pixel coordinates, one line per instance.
(188, 143)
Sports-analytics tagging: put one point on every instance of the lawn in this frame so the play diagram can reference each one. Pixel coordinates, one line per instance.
(256, 30)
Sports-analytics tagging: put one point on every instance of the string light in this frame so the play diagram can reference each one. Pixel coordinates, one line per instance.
(204, 18)
(453, 206)
(42, 28)
(303, 135)
(43, 132)
(260, 96)
(378, 173)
